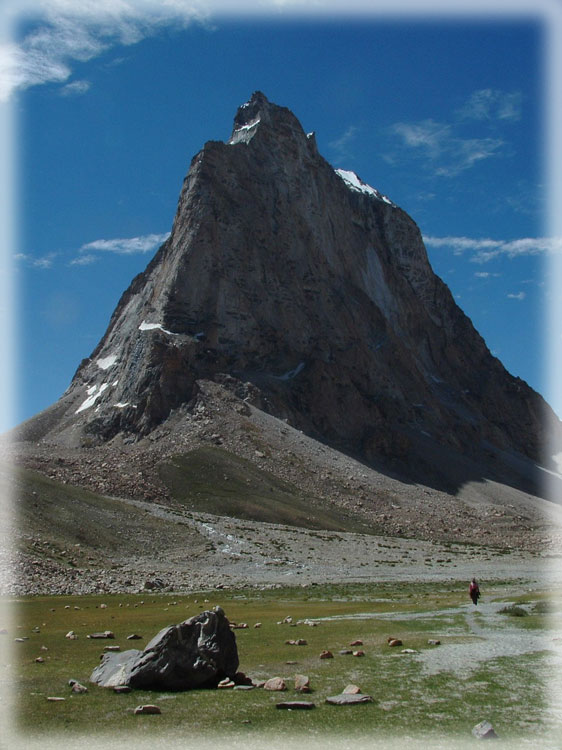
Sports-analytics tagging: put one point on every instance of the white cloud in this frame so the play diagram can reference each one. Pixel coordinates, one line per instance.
(485, 274)
(32, 261)
(491, 104)
(446, 153)
(340, 146)
(485, 249)
(122, 246)
(75, 88)
(64, 31)
(520, 296)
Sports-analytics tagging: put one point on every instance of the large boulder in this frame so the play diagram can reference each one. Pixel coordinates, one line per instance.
(196, 653)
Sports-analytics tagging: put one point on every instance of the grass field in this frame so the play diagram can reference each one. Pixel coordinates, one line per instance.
(409, 697)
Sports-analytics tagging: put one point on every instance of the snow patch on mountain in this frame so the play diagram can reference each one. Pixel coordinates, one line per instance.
(354, 182)
(93, 396)
(106, 362)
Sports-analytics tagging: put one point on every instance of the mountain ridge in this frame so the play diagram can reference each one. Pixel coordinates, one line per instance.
(309, 292)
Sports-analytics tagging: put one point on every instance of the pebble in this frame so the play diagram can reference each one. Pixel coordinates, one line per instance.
(148, 708)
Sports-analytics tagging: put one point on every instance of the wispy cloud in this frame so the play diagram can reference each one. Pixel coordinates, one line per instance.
(33, 261)
(63, 32)
(121, 246)
(341, 146)
(520, 296)
(446, 153)
(76, 88)
(491, 104)
(442, 146)
(485, 249)
(485, 274)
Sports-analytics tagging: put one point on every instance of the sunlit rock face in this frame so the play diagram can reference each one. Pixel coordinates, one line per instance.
(310, 285)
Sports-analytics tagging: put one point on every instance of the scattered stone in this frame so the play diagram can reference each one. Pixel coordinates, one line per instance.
(298, 705)
(408, 651)
(302, 683)
(297, 642)
(394, 642)
(21, 640)
(134, 637)
(348, 699)
(121, 689)
(359, 653)
(275, 684)
(77, 687)
(484, 731)
(351, 690)
(102, 606)
(196, 653)
(242, 679)
(257, 625)
(244, 687)
(356, 643)
(105, 634)
(434, 642)
(326, 655)
(156, 584)
(112, 648)
(39, 660)
(148, 708)
(239, 626)
(55, 699)
(71, 635)
(346, 652)
(226, 683)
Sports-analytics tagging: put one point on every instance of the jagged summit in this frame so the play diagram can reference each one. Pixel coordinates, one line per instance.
(309, 293)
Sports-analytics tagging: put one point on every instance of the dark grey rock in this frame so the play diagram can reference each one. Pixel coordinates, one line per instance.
(196, 653)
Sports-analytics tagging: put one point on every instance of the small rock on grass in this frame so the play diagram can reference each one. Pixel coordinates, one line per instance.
(348, 699)
(394, 642)
(78, 688)
(55, 699)
(302, 683)
(359, 653)
(434, 642)
(351, 690)
(326, 655)
(484, 731)
(299, 705)
(275, 684)
(122, 689)
(226, 683)
(148, 708)
(134, 637)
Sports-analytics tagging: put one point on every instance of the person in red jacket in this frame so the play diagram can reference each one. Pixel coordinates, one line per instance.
(474, 591)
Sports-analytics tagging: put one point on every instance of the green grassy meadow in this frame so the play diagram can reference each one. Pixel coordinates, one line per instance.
(406, 698)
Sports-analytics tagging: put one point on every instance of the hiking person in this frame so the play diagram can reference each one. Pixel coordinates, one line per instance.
(474, 591)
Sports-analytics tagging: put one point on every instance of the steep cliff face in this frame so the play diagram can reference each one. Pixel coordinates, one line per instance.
(308, 284)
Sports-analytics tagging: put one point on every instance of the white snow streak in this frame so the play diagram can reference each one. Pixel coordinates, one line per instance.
(144, 326)
(91, 400)
(356, 183)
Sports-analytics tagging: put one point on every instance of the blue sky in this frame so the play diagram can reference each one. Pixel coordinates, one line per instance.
(445, 115)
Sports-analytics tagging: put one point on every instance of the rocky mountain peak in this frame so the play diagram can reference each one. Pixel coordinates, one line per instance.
(309, 293)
